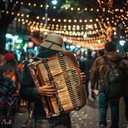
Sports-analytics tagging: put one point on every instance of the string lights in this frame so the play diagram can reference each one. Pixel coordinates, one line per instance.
(98, 30)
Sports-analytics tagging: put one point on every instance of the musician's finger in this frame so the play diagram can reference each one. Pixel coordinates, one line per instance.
(82, 74)
(50, 93)
(48, 86)
(52, 90)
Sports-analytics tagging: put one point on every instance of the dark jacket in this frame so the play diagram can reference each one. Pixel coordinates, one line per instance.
(28, 89)
(100, 67)
(86, 66)
(124, 89)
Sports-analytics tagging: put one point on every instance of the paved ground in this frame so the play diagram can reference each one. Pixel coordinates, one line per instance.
(87, 117)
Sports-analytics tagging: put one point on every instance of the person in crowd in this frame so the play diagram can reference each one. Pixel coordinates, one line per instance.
(78, 57)
(99, 73)
(27, 103)
(1, 59)
(100, 53)
(125, 96)
(9, 104)
(22, 60)
(51, 45)
(86, 66)
(30, 56)
(125, 92)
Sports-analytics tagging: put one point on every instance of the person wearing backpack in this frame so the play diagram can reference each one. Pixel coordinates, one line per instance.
(10, 78)
(100, 72)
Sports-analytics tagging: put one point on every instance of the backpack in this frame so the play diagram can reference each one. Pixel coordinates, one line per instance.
(114, 80)
(7, 83)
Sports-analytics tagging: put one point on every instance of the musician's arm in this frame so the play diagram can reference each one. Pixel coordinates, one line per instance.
(28, 90)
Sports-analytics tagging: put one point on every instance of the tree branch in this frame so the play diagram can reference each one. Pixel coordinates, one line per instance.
(2, 5)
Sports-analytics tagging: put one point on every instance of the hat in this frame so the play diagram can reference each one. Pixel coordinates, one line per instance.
(9, 56)
(54, 42)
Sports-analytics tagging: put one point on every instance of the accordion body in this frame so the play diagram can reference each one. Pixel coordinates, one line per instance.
(61, 71)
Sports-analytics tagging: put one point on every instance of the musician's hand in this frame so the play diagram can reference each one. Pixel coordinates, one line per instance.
(83, 77)
(46, 90)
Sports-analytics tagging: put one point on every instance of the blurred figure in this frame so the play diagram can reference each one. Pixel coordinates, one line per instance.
(100, 53)
(9, 103)
(30, 56)
(78, 58)
(125, 93)
(86, 66)
(22, 60)
(1, 59)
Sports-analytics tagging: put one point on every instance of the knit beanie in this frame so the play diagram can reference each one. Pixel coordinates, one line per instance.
(9, 56)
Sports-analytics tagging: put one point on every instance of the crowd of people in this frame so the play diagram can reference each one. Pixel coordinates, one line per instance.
(11, 68)
(95, 70)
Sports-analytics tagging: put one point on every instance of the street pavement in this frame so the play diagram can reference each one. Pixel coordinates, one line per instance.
(87, 117)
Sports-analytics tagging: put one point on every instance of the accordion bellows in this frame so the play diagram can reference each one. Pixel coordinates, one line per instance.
(62, 71)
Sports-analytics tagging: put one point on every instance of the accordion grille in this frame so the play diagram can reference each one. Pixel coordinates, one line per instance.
(66, 82)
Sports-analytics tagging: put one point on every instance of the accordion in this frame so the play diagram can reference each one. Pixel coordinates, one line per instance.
(61, 71)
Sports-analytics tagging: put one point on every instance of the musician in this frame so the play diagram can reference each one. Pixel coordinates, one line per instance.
(50, 46)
